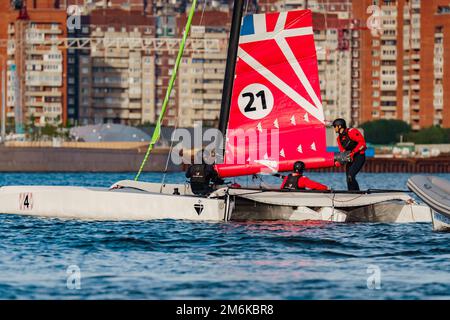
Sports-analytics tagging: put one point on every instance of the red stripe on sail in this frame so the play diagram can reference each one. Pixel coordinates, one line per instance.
(306, 56)
(277, 63)
(298, 19)
(271, 21)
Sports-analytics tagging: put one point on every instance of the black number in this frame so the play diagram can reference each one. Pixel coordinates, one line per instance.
(26, 203)
(261, 94)
(248, 107)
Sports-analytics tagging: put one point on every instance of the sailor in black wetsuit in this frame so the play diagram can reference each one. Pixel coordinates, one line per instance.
(203, 177)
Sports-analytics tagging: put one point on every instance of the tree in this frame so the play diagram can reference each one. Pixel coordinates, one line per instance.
(431, 135)
(49, 130)
(385, 131)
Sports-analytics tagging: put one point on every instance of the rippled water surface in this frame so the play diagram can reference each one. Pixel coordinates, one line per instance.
(187, 260)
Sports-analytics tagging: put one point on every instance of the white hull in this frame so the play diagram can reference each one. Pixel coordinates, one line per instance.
(104, 204)
(441, 222)
(386, 207)
(435, 192)
(147, 201)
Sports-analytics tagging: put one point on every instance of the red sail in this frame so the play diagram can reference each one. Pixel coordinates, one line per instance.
(276, 115)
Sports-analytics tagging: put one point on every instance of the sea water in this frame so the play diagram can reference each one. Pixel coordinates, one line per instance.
(43, 258)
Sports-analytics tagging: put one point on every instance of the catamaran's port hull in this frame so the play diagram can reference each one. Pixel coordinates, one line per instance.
(104, 204)
(130, 200)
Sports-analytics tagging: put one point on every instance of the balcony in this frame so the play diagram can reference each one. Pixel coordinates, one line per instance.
(214, 76)
(389, 57)
(212, 106)
(134, 105)
(388, 98)
(134, 115)
(34, 103)
(217, 86)
(388, 87)
(51, 31)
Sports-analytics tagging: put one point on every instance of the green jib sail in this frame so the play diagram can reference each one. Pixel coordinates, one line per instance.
(157, 132)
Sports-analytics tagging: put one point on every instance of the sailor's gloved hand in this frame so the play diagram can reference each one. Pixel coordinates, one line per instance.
(337, 164)
(350, 157)
(343, 157)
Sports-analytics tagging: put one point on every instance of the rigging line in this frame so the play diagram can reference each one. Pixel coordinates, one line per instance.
(169, 154)
(349, 200)
(332, 207)
(203, 12)
(157, 132)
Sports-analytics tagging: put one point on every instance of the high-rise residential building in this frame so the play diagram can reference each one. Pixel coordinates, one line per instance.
(36, 86)
(403, 73)
(398, 71)
(337, 38)
(201, 74)
(334, 55)
(112, 81)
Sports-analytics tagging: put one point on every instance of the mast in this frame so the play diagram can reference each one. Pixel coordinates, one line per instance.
(233, 45)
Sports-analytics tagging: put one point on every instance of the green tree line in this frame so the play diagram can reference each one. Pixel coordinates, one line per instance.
(389, 132)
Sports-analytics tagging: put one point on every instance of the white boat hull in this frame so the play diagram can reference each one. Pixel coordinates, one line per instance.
(435, 192)
(441, 223)
(130, 200)
(105, 204)
(315, 206)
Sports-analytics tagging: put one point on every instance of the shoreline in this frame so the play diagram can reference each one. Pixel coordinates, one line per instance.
(70, 159)
(401, 165)
(51, 159)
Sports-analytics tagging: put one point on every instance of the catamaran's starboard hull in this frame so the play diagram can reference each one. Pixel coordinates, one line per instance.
(389, 211)
(104, 204)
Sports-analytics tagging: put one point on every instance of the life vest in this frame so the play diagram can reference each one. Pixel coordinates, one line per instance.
(347, 143)
(198, 174)
(292, 183)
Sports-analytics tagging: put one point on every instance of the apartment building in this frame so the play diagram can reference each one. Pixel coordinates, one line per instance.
(36, 89)
(403, 74)
(336, 35)
(337, 44)
(112, 81)
(201, 74)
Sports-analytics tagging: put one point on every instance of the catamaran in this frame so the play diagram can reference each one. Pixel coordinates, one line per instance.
(271, 88)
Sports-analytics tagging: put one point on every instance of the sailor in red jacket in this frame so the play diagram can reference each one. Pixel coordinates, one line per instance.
(297, 181)
(350, 140)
